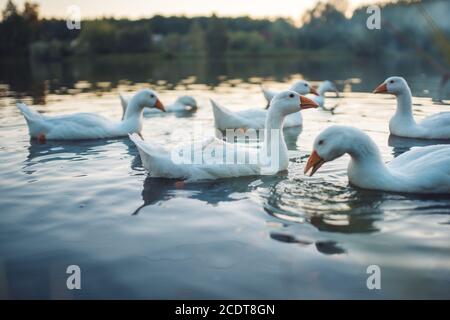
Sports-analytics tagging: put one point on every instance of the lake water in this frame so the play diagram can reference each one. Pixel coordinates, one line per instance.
(286, 236)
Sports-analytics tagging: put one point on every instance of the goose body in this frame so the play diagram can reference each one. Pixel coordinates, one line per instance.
(224, 118)
(402, 124)
(158, 161)
(81, 126)
(271, 158)
(255, 118)
(183, 103)
(420, 170)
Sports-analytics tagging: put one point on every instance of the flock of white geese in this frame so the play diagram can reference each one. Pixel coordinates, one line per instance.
(420, 170)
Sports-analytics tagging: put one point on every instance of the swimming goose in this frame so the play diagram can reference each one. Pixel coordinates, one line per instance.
(183, 103)
(324, 87)
(224, 118)
(317, 95)
(271, 158)
(402, 124)
(302, 87)
(80, 126)
(420, 170)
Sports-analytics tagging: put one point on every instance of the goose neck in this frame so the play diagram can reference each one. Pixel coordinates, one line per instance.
(365, 155)
(404, 105)
(274, 144)
(133, 111)
(132, 119)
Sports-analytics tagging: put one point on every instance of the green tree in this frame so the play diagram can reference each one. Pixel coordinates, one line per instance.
(97, 37)
(249, 42)
(134, 39)
(282, 33)
(17, 29)
(216, 37)
(196, 38)
(325, 27)
(10, 11)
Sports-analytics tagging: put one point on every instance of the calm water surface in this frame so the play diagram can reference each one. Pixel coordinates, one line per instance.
(286, 236)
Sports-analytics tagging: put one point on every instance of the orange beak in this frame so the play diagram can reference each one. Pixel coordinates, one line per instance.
(306, 103)
(314, 162)
(382, 88)
(159, 105)
(313, 91)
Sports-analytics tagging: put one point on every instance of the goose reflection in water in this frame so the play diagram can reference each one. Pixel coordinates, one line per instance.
(358, 216)
(339, 209)
(345, 209)
(400, 144)
(54, 150)
(211, 192)
(325, 247)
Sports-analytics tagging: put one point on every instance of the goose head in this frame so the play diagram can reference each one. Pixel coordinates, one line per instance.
(302, 87)
(393, 85)
(147, 98)
(330, 144)
(287, 102)
(187, 101)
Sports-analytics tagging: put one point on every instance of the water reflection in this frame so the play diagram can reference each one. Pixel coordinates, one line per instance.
(400, 144)
(324, 247)
(101, 74)
(77, 206)
(345, 210)
(211, 192)
(56, 150)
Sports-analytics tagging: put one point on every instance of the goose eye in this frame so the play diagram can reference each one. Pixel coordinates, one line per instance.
(320, 142)
(152, 96)
(306, 84)
(291, 95)
(392, 81)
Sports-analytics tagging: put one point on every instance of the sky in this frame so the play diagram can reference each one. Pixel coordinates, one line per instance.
(146, 8)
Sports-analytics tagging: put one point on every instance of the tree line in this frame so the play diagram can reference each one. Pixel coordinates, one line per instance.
(323, 28)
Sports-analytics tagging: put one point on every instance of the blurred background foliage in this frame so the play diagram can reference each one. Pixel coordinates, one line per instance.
(408, 26)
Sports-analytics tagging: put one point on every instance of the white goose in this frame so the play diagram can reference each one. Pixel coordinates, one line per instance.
(420, 170)
(270, 159)
(301, 87)
(224, 118)
(324, 87)
(317, 95)
(183, 103)
(402, 124)
(80, 126)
